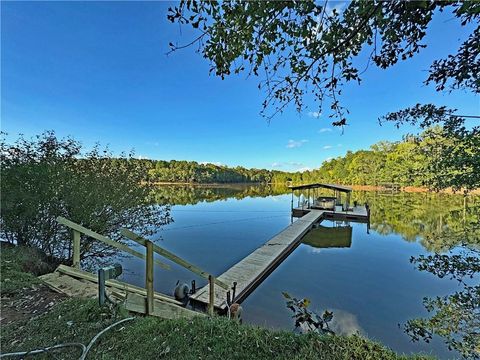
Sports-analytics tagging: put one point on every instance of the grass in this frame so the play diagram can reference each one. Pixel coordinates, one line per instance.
(79, 320)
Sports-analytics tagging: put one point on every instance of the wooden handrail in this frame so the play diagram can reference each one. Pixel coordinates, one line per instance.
(165, 253)
(80, 229)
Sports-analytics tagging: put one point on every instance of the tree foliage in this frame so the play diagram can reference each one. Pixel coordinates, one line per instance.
(308, 50)
(455, 317)
(438, 158)
(46, 177)
(452, 150)
(194, 172)
(303, 49)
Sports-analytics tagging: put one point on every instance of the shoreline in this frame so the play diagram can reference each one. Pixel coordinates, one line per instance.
(407, 189)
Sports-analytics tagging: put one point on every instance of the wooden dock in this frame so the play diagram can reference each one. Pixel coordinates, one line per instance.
(249, 272)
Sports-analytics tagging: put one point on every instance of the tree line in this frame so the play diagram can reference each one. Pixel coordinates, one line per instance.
(416, 160)
(175, 171)
(432, 159)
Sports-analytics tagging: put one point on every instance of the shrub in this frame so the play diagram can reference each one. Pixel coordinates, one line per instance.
(46, 177)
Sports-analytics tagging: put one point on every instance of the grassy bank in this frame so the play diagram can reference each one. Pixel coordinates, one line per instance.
(79, 320)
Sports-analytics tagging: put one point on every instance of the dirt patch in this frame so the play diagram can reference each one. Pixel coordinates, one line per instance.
(28, 303)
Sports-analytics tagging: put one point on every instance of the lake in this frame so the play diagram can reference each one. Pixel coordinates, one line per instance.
(364, 277)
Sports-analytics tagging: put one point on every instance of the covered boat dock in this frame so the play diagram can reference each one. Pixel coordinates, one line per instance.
(311, 197)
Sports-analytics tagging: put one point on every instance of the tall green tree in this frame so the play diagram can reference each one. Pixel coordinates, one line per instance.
(451, 147)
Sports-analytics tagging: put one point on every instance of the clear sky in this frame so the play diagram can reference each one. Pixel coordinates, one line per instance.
(98, 71)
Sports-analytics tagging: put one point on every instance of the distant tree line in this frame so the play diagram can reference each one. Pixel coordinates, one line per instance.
(432, 159)
(193, 172)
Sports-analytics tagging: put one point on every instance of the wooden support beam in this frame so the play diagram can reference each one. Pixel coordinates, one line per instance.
(149, 277)
(171, 256)
(211, 296)
(76, 248)
(104, 239)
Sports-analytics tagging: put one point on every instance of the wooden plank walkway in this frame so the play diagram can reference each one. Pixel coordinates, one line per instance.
(79, 283)
(252, 270)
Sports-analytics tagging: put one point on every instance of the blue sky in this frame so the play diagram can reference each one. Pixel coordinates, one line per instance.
(98, 71)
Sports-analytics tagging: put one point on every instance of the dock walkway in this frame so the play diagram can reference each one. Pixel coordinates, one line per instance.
(251, 270)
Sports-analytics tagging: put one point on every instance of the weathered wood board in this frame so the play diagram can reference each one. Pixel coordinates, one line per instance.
(134, 302)
(138, 303)
(70, 286)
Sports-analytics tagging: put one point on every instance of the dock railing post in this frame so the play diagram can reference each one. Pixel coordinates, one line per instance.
(149, 276)
(76, 249)
(211, 295)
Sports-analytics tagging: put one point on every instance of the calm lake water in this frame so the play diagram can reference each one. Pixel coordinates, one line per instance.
(366, 279)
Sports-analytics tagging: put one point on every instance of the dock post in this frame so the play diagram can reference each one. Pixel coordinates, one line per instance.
(149, 276)
(76, 249)
(211, 295)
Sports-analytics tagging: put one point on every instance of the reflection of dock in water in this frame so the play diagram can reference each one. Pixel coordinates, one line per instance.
(329, 237)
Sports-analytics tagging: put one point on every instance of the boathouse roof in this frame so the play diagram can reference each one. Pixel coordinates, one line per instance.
(320, 185)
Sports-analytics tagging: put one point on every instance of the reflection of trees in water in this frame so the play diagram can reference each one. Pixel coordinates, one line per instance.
(439, 221)
(191, 194)
(454, 317)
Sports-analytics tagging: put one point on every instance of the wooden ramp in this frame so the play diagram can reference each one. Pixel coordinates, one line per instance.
(252, 270)
(77, 283)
